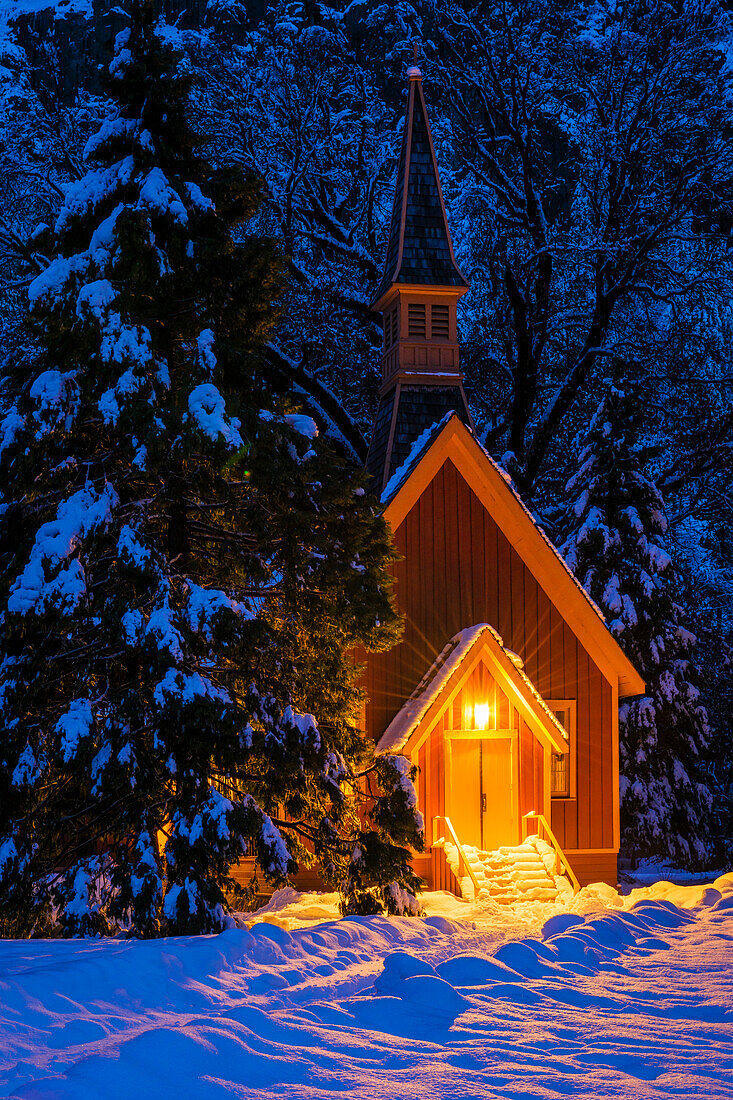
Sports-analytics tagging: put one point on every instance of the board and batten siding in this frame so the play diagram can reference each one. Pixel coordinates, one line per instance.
(459, 569)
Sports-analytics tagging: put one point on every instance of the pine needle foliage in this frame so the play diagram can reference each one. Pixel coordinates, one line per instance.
(186, 566)
(616, 527)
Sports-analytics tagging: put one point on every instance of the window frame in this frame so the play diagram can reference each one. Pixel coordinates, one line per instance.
(568, 708)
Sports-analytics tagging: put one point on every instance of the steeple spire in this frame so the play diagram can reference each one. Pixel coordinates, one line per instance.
(417, 297)
(419, 250)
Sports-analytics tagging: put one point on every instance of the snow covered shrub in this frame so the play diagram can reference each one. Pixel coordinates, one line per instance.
(185, 565)
(394, 815)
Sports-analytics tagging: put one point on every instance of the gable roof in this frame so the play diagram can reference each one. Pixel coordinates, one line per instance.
(419, 248)
(450, 438)
(415, 720)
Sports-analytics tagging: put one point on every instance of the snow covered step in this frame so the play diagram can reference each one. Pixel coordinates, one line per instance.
(530, 878)
(510, 875)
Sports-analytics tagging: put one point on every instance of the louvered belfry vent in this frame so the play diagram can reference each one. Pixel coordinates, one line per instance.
(390, 329)
(439, 322)
(416, 320)
(417, 297)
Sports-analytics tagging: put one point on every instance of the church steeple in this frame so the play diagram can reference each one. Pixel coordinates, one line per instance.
(417, 296)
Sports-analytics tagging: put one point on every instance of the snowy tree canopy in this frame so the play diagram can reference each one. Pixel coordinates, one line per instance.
(617, 526)
(185, 564)
(585, 154)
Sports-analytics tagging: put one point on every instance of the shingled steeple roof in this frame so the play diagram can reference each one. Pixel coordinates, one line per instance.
(418, 298)
(419, 249)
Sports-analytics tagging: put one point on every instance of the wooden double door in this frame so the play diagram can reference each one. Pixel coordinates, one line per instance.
(481, 790)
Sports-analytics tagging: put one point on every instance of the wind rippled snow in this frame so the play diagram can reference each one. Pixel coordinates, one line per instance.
(631, 1002)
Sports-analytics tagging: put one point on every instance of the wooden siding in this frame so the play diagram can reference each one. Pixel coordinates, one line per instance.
(594, 866)
(438, 875)
(459, 569)
(531, 771)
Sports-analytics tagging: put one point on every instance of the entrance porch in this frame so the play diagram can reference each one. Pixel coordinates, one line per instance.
(483, 741)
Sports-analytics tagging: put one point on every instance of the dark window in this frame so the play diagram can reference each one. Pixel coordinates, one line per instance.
(562, 764)
(560, 775)
(440, 321)
(416, 320)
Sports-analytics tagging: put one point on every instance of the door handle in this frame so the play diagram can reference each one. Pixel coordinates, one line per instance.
(483, 803)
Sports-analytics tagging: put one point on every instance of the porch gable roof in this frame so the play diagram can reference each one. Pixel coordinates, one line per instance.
(415, 720)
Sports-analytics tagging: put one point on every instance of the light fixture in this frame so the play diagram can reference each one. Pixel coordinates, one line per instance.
(481, 716)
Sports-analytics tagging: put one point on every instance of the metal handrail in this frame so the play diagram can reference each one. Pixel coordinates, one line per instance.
(462, 857)
(553, 841)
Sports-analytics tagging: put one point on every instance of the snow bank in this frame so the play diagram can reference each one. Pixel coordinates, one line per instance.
(630, 1002)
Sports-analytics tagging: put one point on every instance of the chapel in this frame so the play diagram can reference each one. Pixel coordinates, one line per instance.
(505, 688)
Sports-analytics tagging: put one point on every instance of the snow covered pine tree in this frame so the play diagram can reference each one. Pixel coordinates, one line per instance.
(616, 527)
(185, 570)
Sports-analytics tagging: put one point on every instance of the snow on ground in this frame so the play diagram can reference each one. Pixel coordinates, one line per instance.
(651, 871)
(624, 997)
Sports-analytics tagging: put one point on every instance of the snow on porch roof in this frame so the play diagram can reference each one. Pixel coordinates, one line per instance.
(409, 717)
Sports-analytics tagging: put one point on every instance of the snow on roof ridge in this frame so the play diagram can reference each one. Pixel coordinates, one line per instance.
(416, 451)
(412, 712)
(419, 446)
(414, 709)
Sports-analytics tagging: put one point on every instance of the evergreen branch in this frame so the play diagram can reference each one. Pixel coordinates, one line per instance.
(325, 401)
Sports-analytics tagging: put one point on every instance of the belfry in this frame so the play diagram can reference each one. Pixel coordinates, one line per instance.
(417, 297)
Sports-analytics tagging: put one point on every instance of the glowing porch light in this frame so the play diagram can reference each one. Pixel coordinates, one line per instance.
(481, 716)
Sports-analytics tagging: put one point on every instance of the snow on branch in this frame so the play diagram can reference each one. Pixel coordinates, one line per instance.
(45, 582)
(207, 407)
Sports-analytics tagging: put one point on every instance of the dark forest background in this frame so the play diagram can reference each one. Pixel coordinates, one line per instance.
(586, 155)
